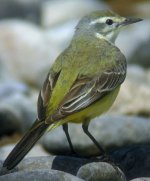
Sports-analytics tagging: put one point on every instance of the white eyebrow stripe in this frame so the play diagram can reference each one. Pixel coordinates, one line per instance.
(101, 20)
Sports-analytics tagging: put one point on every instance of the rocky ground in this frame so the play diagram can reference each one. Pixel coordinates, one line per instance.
(28, 47)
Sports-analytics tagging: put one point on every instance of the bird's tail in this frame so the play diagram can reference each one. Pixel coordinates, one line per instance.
(25, 144)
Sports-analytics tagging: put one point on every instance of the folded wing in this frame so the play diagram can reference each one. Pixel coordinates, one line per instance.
(87, 90)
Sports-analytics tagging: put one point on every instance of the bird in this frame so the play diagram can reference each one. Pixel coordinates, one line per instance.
(82, 83)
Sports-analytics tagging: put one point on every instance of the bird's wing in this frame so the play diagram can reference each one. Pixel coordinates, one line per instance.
(86, 90)
(45, 94)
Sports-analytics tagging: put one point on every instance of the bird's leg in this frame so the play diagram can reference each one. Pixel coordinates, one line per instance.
(65, 128)
(105, 157)
(86, 131)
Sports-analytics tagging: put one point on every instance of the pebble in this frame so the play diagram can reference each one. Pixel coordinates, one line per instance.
(100, 171)
(28, 55)
(141, 179)
(40, 175)
(24, 9)
(17, 113)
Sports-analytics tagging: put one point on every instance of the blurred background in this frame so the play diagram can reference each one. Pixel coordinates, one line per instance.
(32, 34)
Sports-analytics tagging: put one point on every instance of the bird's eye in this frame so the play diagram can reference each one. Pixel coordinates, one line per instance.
(109, 21)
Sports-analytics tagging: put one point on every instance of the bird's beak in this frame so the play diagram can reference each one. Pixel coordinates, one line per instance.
(128, 21)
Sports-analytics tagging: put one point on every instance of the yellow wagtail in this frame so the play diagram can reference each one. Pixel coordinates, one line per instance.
(82, 83)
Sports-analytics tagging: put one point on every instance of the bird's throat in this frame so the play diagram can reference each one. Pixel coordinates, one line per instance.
(111, 36)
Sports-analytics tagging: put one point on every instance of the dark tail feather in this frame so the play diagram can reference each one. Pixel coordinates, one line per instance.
(25, 144)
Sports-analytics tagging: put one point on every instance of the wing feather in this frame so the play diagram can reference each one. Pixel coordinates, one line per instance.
(45, 94)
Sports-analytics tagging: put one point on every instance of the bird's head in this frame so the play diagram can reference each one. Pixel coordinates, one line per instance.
(103, 24)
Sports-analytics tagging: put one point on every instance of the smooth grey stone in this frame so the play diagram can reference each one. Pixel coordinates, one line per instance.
(10, 121)
(141, 179)
(5, 74)
(110, 131)
(4, 171)
(17, 113)
(100, 171)
(31, 60)
(14, 107)
(39, 175)
(7, 88)
(24, 9)
(35, 163)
